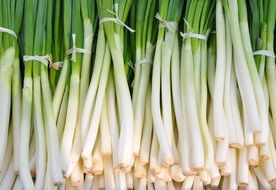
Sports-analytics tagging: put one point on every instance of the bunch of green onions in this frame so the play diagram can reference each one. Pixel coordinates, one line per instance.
(137, 94)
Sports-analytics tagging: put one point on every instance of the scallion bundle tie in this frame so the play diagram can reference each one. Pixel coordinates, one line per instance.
(265, 53)
(194, 35)
(116, 19)
(56, 65)
(74, 50)
(170, 25)
(145, 61)
(8, 31)
(45, 59)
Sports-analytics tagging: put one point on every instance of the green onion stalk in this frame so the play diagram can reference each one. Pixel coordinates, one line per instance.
(10, 77)
(88, 12)
(49, 120)
(260, 138)
(38, 41)
(270, 61)
(58, 46)
(169, 15)
(90, 131)
(70, 77)
(115, 36)
(94, 98)
(193, 82)
(205, 26)
(255, 109)
(145, 40)
(221, 85)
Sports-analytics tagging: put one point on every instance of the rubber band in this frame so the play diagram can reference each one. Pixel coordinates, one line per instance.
(170, 25)
(116, 19)
(8, 31)
(44, 59)
(265, 53)
(74, 50)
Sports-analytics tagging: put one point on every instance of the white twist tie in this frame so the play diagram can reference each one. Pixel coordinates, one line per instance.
(265, 53)
(194, 35)
(74, 50)
(116, 19)
(56, 65)
(147, 59)
(44, 59)
(170, 25)
(8, 31)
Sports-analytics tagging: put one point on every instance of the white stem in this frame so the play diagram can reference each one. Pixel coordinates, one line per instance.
(144, 155)
(125, 108)
(156, 111)
(142, 183)
(170, 186)
(253, 155)
(177, 174)
(95, 120)
(8, 155)
(139, 105)
(88, 181)
(188, 183)
(227, 168)
(166, 94)
(129, 180)
(39, 136)
(222, 152)
(159, 184)
(120, 180)
(77, 177)
(16, 109)
(154, 165)
(139, 170)
(6, 61)
(187, 72)
(242, 72)
(24, 170)
(60, 88)
(208, 145)
(97, 159)
(70, 123)
(243, 168)
(225, 183)
(179, 108)
(261, 177)
(233, 183)
(235, 109)
(92, 90)
(9, 178)
(198, 184)
(18, 184)
(252, 181)
(106, 149)
(262, 106)
(219, 111)
(112, 118)
(62, 115)
(51, 131)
